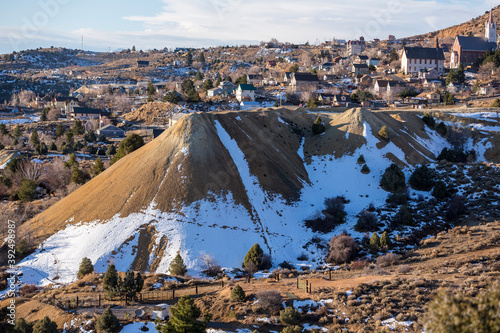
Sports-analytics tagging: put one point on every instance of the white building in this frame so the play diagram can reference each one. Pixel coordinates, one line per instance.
(415, 59)
(245, 92)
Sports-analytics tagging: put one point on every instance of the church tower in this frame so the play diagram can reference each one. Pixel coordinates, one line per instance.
(491, 29)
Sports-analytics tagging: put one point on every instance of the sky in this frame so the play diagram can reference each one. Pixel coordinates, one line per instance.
(156, 24)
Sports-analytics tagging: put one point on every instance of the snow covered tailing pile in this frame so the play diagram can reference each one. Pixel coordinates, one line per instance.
(216, 183)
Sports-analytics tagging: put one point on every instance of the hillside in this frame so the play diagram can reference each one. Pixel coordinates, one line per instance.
(216, 183)
(474, 26)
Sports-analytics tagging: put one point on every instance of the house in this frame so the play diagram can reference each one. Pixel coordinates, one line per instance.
(245, 92)
(467, 50)
(228, 87)
(485, 90)
(70, 105)
(246, 105)
(328, 77)
(287, 77)
(302, 80)
(111, 131)
(60, 103)
(325, 99)
(361, 59)
(382, 87)
(373, 62)
(414, 59)
(428, 74)
(85, 113)
(355, 47)
(359, 69)
(432, 84)
(430, 97)
(254, 79)
(341, 100)
(216, 92)
(326, 66)
(142, 63)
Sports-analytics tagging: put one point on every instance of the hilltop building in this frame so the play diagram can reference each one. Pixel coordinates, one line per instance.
(416, 59)
(467, 50)
(355, 47)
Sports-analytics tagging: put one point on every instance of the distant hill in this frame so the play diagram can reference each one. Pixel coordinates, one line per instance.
(474, 26)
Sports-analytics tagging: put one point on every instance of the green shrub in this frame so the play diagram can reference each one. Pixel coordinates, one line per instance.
(452, 156)
(375, 241)
(422, 178)
(385, 241)
(403, 217)
(237, 294)
(361, 159)
(365, 169)
(290, 316)
(452, 312)
(334, 215)
(128, 145)
(318, 127)
(441, 129)
(393, 179)
(111, 282)
(22, 326)
(384, 133)
(107, 322)
(27, 191)
(429, 120)
(86, 267)
(398, 198)
(45, 325)
(496, 103)
(184, 318)
(455, 208)
(440, 190)
(177, 266)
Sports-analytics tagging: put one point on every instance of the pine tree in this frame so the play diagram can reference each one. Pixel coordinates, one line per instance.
(189, 58)
(98, 166)
(128, 286)
(86, 267)
(78, 128)
(177, 266)
(45, 325)
(201, 57)
(71, 162)
(290, 316)
(3, 129)
(59, 130)
(78, 176)
(22, 326)
(385, 241)
(34, 138)
(107, 322)
(16, 133)
(111, 282)
(184, 318)
(237, 294)
(198, 76)
(217, 82)
(253, 257)
(318, 127)
(375, 241)
(52, 146)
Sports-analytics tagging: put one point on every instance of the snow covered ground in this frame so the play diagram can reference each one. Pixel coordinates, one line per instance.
(219, 227)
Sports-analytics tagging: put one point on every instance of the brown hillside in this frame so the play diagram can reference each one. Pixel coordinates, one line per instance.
(188, 162)
(474, 26)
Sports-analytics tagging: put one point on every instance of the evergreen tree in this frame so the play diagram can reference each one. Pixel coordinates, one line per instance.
(189, 58)
(422, 178)
(45, 325)
(242, 80)
(16, 133)
(133, 48)
(217, 82)
(449, 99)
(59, 130)
(27, 190)
(78, 176)
(151, 91)
(208, 84)
(385, 241)
(237, 294)
(69, 136)
(3, 129)
(98, 166)
(201, 58)
(177, 266)
(41, 149)
(172, 97)
(78, 128)
(71, 162)
(86, 267)
(22, 326)
(375, 241)
(292, 329)
(111, 282)
(441, 129)
(184, 318)
(440, 190)
(107, 322)
(253, 257)
(290, 316)
(198, 76)
(34, 138)
(312, 102)
(393, 179)
(128, 145)
(111, 150)
(318, 127)
(384, 133)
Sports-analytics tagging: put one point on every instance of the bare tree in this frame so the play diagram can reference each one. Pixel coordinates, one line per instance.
(28, 170)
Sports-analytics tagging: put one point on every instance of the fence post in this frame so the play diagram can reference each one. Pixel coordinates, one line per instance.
(68, 305)
(173, 293)
(196, 290)
(297, 283)
(99, 300)
(307, 285)
(140, 297)
(77, 302)
(222, 284)
(310, 288)
(330, 271)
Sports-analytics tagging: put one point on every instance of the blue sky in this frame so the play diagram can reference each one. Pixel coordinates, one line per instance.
(150, 24)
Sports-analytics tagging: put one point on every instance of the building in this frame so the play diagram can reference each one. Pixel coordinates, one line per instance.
(245, 105)
(428, 74)
(245, 92)
(111, 131)
(355, 47)
(359, 69)
(373, 62)
(85, 113)
(302, 80)
(254, 79)
(216, 92)
(228, 87)
(467, 50)
(341, 100)
(415, 59)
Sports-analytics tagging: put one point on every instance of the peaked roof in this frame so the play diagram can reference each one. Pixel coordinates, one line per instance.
(424, 53)
(305, 77)
(87, 110)
(111, 128)
(247, 87)
(476, 43)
